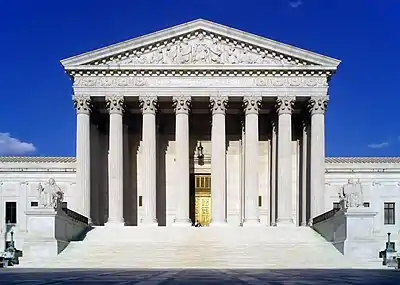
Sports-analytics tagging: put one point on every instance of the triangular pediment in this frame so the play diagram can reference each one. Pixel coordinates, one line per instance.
(200, 43)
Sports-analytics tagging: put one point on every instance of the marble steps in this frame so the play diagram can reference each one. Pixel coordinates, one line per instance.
(201, 248)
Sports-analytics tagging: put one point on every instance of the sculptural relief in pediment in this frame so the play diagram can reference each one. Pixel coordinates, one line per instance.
(201, 48)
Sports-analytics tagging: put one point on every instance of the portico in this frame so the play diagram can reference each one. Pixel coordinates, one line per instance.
(255, 106)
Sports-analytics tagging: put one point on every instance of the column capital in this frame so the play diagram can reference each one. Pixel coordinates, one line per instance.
(181, 104)
(82, 104)
(148, 104)
(252, 104)
(218, 104)
(318, 104)
(115, 104)
(285, 104)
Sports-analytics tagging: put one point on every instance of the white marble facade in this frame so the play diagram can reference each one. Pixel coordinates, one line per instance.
(144, 106)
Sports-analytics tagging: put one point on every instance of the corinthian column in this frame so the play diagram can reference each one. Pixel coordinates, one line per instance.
(115, 106)
(317, 109)
(218, 160)
(251, 108)
(284, 109)
(82, 106)
(148, 104)
(182, 107)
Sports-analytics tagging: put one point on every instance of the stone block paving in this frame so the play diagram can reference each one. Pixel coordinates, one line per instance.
(21, 276)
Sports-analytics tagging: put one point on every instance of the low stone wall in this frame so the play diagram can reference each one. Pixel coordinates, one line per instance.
(350, 231)
(50, 231)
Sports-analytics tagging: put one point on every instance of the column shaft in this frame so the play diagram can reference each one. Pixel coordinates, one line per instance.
(284, 160)
(273, 174)
(304, 166)
(218, 160)
(116, 165)
(148, 106)
(252, 105)
(83, 107)
(182, 105)
(317, 108)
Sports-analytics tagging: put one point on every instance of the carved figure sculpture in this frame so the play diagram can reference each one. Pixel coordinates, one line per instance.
(157, 56)
(185, 52)
(352, 194)
(216, 52)
(50, 196)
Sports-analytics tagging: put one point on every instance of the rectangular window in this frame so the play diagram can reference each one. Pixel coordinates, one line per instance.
(140, 201)
(11, 212)
(336, 205)
(259, 201)
(389, 212)
(366, 204)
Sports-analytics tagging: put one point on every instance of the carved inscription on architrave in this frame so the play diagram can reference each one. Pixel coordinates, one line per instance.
(147, 81)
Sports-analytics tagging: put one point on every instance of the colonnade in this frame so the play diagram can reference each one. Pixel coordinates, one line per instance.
(281, 166)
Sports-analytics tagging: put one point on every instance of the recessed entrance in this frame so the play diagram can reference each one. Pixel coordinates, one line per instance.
(200, 198)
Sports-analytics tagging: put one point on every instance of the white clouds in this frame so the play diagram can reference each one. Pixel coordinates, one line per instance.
(13, 146)
(379, 145)
(295, 3)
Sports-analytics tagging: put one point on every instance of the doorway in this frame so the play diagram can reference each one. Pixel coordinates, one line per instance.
(200, 199)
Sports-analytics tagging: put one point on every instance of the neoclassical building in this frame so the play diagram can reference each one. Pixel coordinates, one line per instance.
(199, 122)
(253, 107)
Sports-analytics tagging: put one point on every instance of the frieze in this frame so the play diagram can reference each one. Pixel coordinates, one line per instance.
(148, 81)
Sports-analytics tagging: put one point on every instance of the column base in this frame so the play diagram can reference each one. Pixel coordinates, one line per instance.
(285, 223)
(182, 223)
(115, 223)
(252, 223)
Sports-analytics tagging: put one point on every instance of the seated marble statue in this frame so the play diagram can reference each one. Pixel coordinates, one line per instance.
(351, 194)
(50, 196)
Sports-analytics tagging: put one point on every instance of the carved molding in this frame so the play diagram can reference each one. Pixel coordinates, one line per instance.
(318, 105)
(115, 104)
(192, 81)
(251, 104)
(148, 104)
(200, 47)
(181, 104)
(218, 104)
(82, 104)
(285, 104)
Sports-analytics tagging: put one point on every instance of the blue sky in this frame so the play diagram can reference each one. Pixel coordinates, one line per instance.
(37, 117)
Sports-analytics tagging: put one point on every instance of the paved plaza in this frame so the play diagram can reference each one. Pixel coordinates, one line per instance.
(174, 277)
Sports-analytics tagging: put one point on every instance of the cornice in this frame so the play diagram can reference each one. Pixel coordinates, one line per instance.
(342, 160)
(37, 159)
(200, 70)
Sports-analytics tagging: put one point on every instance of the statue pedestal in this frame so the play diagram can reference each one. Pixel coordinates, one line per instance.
(360, 243)
(40, 239)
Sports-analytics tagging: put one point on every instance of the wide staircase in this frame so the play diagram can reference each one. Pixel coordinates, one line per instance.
(207, 247)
